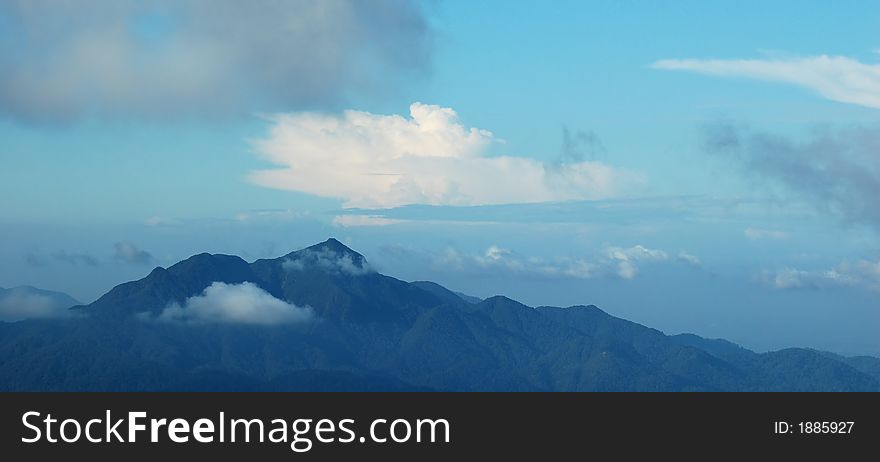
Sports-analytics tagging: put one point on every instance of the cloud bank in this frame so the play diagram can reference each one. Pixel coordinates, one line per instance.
(863, 274)
(382, 161)
(62, 60)
(614, 262)
(244, 303)
(837, 78)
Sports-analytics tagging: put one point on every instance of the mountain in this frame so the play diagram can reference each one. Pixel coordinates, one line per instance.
(322, 318)
(24, 302)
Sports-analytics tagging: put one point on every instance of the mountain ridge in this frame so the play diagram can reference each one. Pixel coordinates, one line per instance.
(374, 332)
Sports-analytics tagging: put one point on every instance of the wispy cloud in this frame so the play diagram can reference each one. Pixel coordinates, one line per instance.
(63, 60)
(75, 258)
(355, 221)
(244, 303)
(837, 78)
(380, 161)
(757, 234)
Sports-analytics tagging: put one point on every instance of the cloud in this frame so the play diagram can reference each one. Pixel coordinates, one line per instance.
(23, 303)
(613, 262)
(692, 260)
(837, 78)
(74, 258)
(626, 261)
(161, 221)
(353, 221)
(64, 60)
(244, 303)
(328, 261)
(129, 253)
(863, 274)
(837, 171)
(376, 161)
(757, 234)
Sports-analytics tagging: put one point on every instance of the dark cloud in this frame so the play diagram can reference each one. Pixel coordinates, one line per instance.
(579, 146)
(63, 59)
(129, 253)
(837, 171)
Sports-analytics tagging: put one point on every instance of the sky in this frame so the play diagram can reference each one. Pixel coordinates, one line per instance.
(705, 167)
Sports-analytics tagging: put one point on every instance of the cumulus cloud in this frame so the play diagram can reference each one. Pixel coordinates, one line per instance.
(613, 262)
(861, 274)
(129, 253)
(838, 171)
(757, 234)
(244, 303)
(26, 303)
(63, 60)
(379, 161)
(329, 261)
(837, 78)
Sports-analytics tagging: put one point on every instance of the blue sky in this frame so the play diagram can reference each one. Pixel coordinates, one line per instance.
(694, 166)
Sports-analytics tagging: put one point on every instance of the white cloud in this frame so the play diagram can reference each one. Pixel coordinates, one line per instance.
(353, 221)
(328, 261)
(837, 78)
(244, 303)
(376, 161)
(861, 273)
(757, 234)
(684, 257)
(21, 303)
(626, 260)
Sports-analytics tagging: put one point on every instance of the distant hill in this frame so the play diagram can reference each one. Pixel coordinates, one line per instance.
(322, 319)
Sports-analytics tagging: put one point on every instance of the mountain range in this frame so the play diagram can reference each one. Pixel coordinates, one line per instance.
(321, 319)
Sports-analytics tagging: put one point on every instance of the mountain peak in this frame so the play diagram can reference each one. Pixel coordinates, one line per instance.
(329, 249)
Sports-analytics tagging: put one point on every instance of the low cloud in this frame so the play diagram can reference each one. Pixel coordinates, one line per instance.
(244, 303)
(129, 253)
(328, 261)
(126, 58)
(864, 274)
(380, 161)
(757, 234)
(21, 303)
(837, 78)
